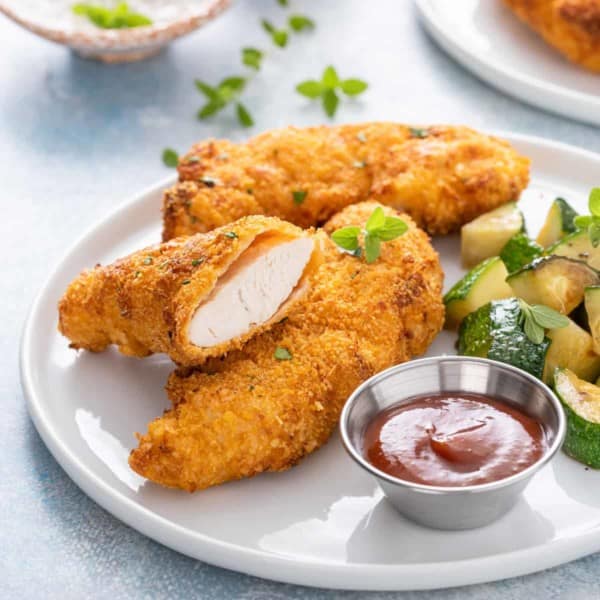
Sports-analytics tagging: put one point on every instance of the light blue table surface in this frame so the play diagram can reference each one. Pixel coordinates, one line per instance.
(77, 138)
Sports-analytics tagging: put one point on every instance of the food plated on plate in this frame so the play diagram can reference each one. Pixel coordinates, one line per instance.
(192, 297)
(570, 26)
(535, 305)
(280, 398)
(273, 326)
(442, 176)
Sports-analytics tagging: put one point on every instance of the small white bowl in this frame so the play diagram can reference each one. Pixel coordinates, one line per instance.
(43, 18)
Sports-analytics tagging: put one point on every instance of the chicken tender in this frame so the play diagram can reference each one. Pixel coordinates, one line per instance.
(571, 26)
(441, 176)
(278, 399)
(192, 297)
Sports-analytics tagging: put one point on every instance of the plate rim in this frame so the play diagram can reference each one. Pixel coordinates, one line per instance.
(282, 568)
(548, 96)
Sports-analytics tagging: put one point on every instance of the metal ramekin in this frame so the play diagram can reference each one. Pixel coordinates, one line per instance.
(452, 507)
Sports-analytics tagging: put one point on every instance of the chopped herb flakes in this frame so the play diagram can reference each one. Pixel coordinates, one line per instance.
(197, 261)
(359, 164)
(186, 282)
(418, 133)
(299, 196)
(148, 260)
(282, 354)
(170, 158)
(231, 235)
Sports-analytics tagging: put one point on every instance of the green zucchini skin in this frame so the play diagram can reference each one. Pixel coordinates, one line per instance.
(559, 222)
(519, 251)
(483, 283)
(494, 331)
(582, 441)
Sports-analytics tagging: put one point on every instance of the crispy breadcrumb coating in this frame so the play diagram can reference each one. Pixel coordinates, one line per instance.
(250, 412)
(442, 176)
(570, 26)
(144, 302)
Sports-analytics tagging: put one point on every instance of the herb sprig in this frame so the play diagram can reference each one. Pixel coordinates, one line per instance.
(591, 222)
(223, 94)
(119, 17)
(378, 228)
(327, 89)
(536, 318)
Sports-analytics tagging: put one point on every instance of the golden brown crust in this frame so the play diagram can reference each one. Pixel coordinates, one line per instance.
(571, 26)
(249, 413)
(143, 303)
(443, 179)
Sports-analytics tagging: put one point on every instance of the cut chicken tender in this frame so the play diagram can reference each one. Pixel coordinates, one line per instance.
(193, 297)
(250, 412)
(571, 26)
(442, 176)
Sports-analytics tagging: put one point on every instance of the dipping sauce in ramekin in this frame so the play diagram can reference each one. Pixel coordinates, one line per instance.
(453, 439)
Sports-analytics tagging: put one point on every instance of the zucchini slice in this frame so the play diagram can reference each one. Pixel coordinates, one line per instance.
(559, 222)
(519, 251)
(571, 348)
(577, 245)
(494, 331)
(486, 235)
(555, 281)
(592, 309)
(481, 284)
(581, 401)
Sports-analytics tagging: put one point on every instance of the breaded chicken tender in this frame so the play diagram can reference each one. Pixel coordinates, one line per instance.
(442, 176)
(265, 407)
(192, 297)
(571, 26)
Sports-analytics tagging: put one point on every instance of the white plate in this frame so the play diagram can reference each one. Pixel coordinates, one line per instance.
(323, 523)
(487, 38)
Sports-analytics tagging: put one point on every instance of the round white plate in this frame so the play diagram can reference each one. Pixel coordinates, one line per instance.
(324, 522)
(487, 38)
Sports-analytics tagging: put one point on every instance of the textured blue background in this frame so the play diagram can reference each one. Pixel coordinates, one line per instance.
(76, 138)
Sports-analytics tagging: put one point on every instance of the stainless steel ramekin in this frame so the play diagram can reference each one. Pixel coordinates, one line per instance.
(452, 507)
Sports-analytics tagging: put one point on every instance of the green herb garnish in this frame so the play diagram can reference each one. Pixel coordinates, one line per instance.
(415, 132)
(591, 222)
(278, 36)
(225, 93)
(148, 260)
(378, 228)
(252, 57)
(282, 354)
(197, 261)
(299, 196)
(283, 3)
(535, 318)
(300, 23)
(326, 89)
(186, 282)
(170, 158)
(231, 235)
(119, 17)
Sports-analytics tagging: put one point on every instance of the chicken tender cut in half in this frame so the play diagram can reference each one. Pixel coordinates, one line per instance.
(278, 399)
(570, 26)
(442, 176)
(193, 297)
